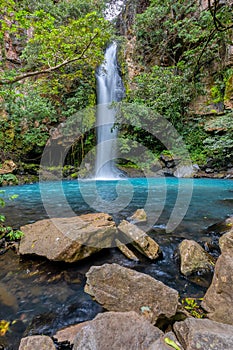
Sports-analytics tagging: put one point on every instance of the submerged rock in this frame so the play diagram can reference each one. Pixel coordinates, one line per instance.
(221, 227)
(37, 342)
(203, 334)
(218, 300)
(140, 240)
(116, 330)
(118, 288)
(68, 239)
(194, 258)
(7, 298)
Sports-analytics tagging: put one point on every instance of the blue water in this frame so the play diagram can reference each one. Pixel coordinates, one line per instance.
(31, 288)
(189, 204)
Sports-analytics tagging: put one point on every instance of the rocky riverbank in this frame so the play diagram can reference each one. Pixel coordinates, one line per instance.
(12, 174)
(141, 312)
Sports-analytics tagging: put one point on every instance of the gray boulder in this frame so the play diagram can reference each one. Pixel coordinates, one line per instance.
(203, 334)
(116, 330)
(68, 239)
(226, 243)
(194, 258)
(218, 300)
(121, 289)
(37, 342)
(186, 170)
(140, 240)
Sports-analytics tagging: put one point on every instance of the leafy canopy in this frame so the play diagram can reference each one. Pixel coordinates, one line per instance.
(50, 42)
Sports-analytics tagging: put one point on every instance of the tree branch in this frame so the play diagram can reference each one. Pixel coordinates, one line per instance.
(217, 23)
(48, 70)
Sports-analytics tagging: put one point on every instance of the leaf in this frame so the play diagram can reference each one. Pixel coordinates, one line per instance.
(171, 343)
(4, 327)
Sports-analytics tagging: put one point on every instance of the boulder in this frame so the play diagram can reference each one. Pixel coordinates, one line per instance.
(186, 171)
(203, 334)
(226, 243)
(126, 251)
(69, 333)
(139, 216)
(194, 258)
(37, 342)
(218, 300)
(118, 288)
(68, 239)
(163, 342)
(117, 330)
(140, 240)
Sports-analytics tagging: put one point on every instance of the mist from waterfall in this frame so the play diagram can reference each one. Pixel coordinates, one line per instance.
(109, 89)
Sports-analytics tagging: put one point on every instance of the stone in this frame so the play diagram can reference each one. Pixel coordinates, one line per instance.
(119, 288)
(7, 167)
(226, 243)
(7, 298)
(126, 251)
(194, 258)
(163, 342)
(37, 342)
(185, 171)
(204, 334)
(139, 216)
(68, 239)
(117, 330)
(221, 227)
(140, 240)
(69, 333)
(218, 300)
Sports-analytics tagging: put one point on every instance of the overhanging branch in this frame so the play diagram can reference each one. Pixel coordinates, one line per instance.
(50, 69)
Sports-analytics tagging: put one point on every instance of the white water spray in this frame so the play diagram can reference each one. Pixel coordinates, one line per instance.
(109, 89)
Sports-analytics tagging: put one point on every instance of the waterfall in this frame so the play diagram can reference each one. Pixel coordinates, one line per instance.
(109, 89)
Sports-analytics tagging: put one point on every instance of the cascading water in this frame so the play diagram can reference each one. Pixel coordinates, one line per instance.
(109, 89)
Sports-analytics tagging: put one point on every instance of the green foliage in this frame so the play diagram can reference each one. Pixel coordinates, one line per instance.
(71, 35)
(26, 126)
(58, 36)
(193, 307)
(171, 343)
(166, 90)
(8, 178)
(8, 231)
(179, 32)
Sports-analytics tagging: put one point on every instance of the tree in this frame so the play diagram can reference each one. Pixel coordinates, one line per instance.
(51, 45)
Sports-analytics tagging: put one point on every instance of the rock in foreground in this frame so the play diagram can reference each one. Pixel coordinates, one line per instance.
(194, 258)
(218, 300)
(118, 288)
(117, 330)
(203, 334)
(140, 240)
(68, 239)
(226, 243)
(37, 342)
